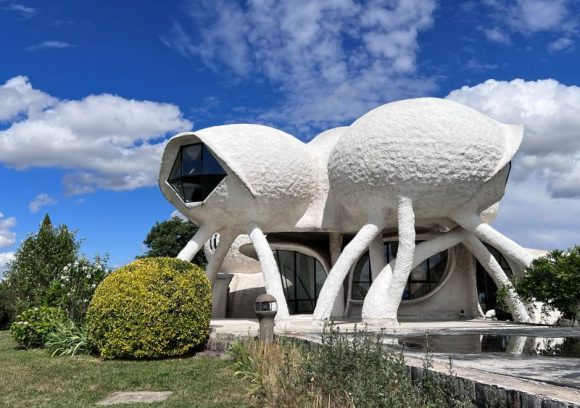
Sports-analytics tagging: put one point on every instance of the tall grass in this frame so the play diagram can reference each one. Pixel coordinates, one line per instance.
(346, 370)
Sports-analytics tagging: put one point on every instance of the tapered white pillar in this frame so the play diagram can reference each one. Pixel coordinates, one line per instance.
(334, 281)
(490, 264)
(196, 242)
(272, 281)
(335, 248)
(224, 245)
(375, 303)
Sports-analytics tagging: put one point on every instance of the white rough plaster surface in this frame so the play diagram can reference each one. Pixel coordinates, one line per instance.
(377, 256)
(195, 243)
(335, 248)
(334, 281)
(272, 280)
(235, 261)
(217, 258)
(490, 235)
(491, 265)
(375, 303)
(449, 160)
(436, 152)
(403, 266)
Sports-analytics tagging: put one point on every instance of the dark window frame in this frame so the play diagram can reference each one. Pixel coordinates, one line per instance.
(207, 181)
(390, 252)
(294, 302)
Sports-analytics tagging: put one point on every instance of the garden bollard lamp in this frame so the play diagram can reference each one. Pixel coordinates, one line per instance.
(266, 308)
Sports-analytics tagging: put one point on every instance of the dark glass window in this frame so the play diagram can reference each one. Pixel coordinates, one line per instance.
(423, 278)
(195, 173)
(486, 287)
(302, 278)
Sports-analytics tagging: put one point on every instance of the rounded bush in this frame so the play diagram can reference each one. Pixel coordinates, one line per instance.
(32, 327)
(151, 308)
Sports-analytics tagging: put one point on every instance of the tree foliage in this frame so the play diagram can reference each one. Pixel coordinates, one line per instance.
(167, 239)
(48, 270)
(554, 279)
(38, 261)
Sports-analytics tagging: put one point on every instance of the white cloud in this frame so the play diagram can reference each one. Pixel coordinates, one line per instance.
(534, 16)
(24, 11)
(40, 201)
(550, 112)
(17, 97)
(560, 44)
(496, 35)
(178, 215)
(105, 140)
(331, 60)
(7, 237)
(50, 45)
(532, 218)
(5, 258)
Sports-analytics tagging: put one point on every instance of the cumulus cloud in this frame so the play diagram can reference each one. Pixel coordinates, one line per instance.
(106, 141)
(331, 60)
(7, 237)
(533, 16)
(549, 111)
(40, 201)
(50, 45)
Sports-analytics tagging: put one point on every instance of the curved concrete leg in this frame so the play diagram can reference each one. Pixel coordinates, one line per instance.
(272, 280)
(196, 242)
(403, 266)
(333, 284)
(486, 259)
(224, 245)
(487, 233)
(375, 303)
(335, 248)
(377, 256)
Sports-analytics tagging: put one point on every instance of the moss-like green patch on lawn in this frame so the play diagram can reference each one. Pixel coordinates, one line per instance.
(32, 378)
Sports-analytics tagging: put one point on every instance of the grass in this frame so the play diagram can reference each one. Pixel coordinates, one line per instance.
(35, 379)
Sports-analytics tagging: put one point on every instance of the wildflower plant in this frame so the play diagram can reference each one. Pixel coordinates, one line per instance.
(74, 287)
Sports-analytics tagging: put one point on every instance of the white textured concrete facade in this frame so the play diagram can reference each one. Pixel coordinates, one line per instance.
(386, 218)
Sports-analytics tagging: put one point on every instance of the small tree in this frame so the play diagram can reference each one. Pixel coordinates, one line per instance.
(554, 279)
(167, 239)
(37, 263)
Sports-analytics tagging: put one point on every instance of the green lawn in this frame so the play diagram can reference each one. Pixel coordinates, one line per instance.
(34, 379)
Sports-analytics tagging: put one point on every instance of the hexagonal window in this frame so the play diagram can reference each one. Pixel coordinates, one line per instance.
(195, 173)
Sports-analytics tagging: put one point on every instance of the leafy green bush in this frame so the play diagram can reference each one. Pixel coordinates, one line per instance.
(153, 307)
(67, 339)
(74, 287)
(554, 279)
(33, 326)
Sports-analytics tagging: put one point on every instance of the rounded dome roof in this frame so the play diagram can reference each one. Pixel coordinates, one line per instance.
(429, 142)
(269, 162)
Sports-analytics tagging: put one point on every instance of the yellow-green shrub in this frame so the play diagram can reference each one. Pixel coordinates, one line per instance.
(153, 307)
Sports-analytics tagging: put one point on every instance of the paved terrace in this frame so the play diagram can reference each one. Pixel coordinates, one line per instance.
(556, 378)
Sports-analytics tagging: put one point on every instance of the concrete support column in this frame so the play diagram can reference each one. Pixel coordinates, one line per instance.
(377, 256)
(272, 281)
(335, 248)
(335, 279)
(487, 233)
(486, 259)
(196, 242)
(224, 245)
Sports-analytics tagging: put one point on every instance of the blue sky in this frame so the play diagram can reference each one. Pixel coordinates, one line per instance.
(89, 92)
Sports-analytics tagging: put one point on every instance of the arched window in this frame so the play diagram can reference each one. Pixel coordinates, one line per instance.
(422, 280)
(302, 278)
